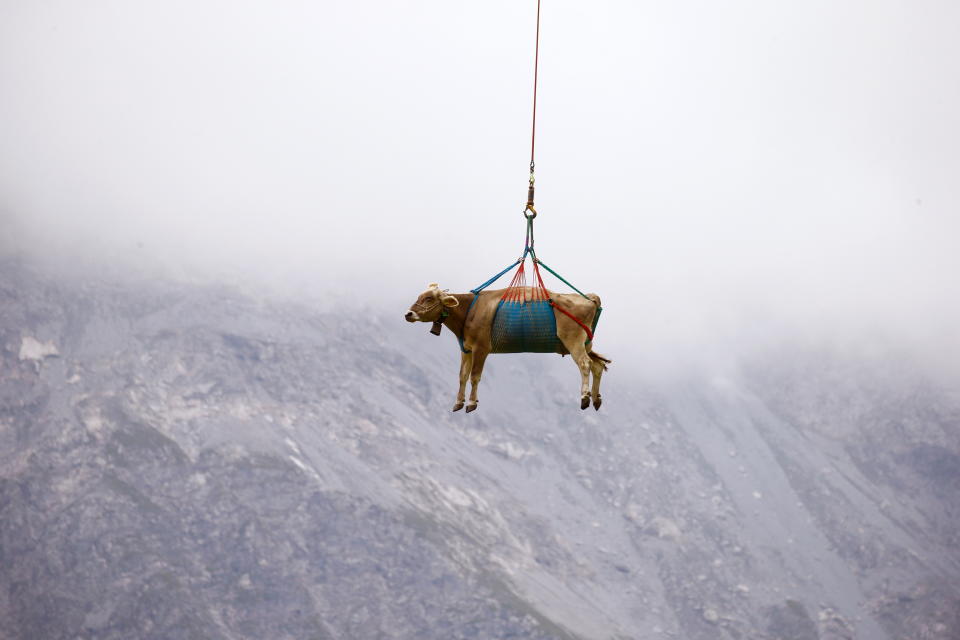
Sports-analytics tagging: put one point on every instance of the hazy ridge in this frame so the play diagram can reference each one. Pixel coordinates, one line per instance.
(187, 462)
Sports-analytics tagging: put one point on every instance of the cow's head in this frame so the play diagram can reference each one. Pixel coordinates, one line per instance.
(430, 305)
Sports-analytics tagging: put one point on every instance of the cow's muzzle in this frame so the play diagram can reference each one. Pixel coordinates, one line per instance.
(411, 316)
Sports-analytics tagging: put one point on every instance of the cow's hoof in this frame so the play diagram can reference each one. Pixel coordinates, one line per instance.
(597, 402)
(458, 406)
(471, 407)
(584, 402)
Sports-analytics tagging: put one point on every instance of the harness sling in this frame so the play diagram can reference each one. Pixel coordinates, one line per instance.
(524, 320)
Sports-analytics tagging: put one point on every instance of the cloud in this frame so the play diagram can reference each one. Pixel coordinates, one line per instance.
(715, 173)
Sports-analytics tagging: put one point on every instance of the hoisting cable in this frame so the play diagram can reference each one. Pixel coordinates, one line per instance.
(533, 131)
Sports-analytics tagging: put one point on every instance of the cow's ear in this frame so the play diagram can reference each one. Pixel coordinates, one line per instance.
(450, 301)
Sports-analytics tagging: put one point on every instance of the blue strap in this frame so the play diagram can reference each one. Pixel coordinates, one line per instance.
(476, 294)
(497, 277)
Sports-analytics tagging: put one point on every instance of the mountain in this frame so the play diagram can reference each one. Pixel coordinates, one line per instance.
(185, 461)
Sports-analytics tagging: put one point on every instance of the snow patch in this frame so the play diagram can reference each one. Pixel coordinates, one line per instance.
(33, 349)
(510, 450)
(310, 471)
(456, 497)
(293, 446)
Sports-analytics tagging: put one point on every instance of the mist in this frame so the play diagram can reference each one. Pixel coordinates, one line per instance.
(725, 177)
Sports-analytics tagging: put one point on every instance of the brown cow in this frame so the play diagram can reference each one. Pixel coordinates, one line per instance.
(472, 327)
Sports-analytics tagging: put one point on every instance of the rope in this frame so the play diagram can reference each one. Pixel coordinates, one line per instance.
(536, 61)
(533, 128)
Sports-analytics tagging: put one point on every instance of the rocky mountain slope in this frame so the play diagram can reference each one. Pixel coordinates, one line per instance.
(186, 462)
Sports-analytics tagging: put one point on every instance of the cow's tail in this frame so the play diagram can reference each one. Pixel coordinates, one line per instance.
(596, 357)
(599, 359)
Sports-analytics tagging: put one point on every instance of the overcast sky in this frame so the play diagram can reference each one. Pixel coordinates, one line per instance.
(710, 169)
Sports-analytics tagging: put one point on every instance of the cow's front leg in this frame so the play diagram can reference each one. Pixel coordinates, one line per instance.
(476, 370)
(466, 362)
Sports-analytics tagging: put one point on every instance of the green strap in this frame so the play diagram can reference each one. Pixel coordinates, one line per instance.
(596, 319)
(562, 279)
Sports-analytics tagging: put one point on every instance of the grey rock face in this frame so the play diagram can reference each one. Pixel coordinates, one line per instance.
(182, 462)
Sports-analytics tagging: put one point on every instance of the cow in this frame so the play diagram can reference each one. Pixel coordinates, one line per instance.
(471, 322)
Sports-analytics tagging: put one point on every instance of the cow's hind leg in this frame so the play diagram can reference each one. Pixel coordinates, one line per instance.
(596, 368)
(466, 362)
(476, 370)
(578, 353)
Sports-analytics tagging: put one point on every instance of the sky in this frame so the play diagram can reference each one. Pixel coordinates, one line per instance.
(720, 173)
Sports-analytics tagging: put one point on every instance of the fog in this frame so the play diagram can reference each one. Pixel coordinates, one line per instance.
(722, 174)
